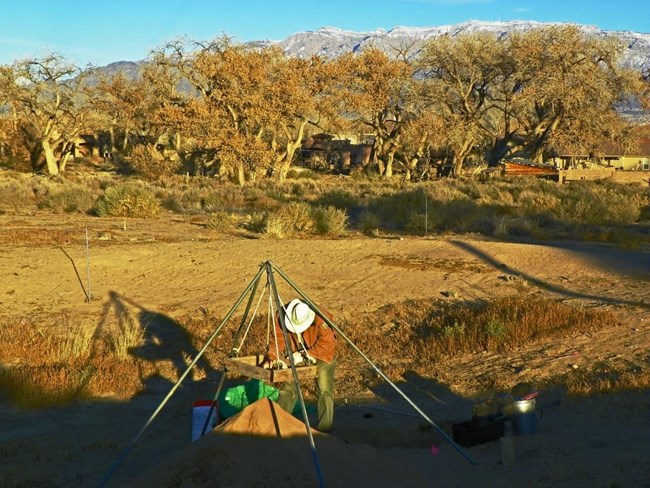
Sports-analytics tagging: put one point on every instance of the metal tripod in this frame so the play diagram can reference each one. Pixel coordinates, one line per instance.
(269, 267)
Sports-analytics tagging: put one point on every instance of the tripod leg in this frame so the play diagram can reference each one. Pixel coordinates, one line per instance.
(296, 381)
(234, 351)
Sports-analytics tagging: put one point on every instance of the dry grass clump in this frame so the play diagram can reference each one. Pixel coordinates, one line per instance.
(342, 199)
(606, 376)
(420, 335)
(222, 221)
(126, 334)
(69, 199)
(289, 220)
(128, 199)
(297, 218)
(77, 343)
(44, 385)
(330, 221)
(506, 323)
(56, 365)
(201, 196)
(369, 223)
(15, 196)
(517, 206)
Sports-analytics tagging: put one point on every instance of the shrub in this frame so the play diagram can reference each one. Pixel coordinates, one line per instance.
(15, 196)
(600, 202)
(256, 198)
(275, 227)
(304, 173)
(342, 199)
(395, 209)
(145, 165)
(256, 222)
(330, 221)
(221, 221)
(627, 239)
(75, 198)
(369, 223)
(300, 218)
(290, 219)
(127, 200)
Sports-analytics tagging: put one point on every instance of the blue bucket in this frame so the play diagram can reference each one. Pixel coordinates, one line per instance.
(524, 418)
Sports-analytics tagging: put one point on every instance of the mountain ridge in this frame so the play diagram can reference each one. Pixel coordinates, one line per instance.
(331, 41)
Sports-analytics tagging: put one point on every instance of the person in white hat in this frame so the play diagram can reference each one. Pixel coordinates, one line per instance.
(312, 341)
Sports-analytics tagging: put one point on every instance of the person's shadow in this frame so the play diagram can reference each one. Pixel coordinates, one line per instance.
(163, 339)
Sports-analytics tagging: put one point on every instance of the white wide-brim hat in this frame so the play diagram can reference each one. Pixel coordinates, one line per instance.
(298, 316)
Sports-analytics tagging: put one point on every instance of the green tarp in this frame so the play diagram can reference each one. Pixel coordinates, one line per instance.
(234, 400)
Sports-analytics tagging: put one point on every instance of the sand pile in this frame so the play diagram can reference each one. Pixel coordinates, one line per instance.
(264, 418)
(265, 446)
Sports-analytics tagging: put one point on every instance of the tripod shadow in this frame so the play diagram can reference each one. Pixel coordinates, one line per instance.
(607, 260)
(432, 397)
(159, 339)
(392, 421)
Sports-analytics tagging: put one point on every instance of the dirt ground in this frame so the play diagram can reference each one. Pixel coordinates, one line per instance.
(176, 267)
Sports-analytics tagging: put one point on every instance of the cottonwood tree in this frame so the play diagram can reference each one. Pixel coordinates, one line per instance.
(562, 93)
(228, 112)
(50, 107)
(9, 123)
(458, 73)
(302, 94)
(422, 138)
(133, 109)
(119, 101)
(253, 106)
(378, 97)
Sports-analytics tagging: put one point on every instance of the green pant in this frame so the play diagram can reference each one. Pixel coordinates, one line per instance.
(324, 389)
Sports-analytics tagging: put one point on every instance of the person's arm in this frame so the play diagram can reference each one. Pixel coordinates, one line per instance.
(324, 346)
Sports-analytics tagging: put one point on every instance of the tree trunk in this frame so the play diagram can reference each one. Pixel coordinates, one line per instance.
(379, 163)
(456, 165)
(241, 175)
(419, 153)
(111, 133)
(125, 141)
(500, 148)
(541, 135)
(63, 161)
(290, 151)
(50, 159)
(459, 156)
(388, 171)
(153, 151)
(285, 166)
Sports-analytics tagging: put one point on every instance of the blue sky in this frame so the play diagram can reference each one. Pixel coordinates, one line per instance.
(100, 32)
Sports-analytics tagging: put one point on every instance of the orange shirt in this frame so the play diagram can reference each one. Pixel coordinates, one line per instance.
(319, 339)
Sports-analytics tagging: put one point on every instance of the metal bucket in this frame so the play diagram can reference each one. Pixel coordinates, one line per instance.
(523, 417)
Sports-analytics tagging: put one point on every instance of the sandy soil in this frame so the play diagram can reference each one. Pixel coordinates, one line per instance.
(177, 268)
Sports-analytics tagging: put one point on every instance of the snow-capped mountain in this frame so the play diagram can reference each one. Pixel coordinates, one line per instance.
(332, 41)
